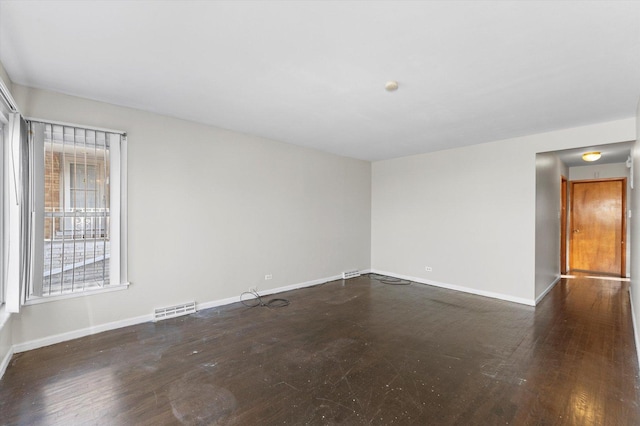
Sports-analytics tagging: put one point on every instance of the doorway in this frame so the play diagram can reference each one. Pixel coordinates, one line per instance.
(598, 226)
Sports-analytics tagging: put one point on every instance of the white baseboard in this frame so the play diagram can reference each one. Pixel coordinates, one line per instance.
(548, 289)
(5, 323)
(5, 362)
(520, 300)
(63, 337)
(229, 300)
(75, 334)
(300, 285)
(635, 326)
(216, 303)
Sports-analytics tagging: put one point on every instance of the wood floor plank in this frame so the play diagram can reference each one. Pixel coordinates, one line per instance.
(352, 352)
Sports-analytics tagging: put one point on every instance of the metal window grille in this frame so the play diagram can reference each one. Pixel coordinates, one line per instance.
(76, 210)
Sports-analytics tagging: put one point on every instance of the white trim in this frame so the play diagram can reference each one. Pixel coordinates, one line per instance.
(7, 98)
(548, 289)
(216, 303)
(634, 326)
(229, 300)
(299, 285)
(36, 209)
(5, 361)
(114, 208)
(124, 211)
(76, 334)
(81, 126)
(4, 322)
(35, 300)
(520, 300)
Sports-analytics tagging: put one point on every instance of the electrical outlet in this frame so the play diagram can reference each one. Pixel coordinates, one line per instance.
(268, 277)
(428, 268)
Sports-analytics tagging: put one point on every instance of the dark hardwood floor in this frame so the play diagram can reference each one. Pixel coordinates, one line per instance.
(354, 352)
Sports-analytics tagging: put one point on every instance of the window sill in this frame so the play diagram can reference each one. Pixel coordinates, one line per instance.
(45, 299)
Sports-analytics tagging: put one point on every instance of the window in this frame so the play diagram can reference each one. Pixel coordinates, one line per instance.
(78, 189)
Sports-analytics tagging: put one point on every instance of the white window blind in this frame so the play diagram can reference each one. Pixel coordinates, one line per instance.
(13, 174)
(15, 211)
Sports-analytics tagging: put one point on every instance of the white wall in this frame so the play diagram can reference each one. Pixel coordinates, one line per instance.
(470, 213)
(599, 171)
(210, 213)
(634, 224)
(549, 170)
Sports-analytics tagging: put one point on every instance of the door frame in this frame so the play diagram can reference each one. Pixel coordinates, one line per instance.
(563, 224)
(623, 231)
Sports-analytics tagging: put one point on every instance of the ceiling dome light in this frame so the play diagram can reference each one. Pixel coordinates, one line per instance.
(391, 86)
(591, 156)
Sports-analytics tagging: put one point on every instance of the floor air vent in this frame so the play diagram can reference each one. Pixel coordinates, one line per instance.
(174, 311)
(350, 274)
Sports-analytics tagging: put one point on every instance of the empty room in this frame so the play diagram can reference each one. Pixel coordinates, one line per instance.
(319, 212)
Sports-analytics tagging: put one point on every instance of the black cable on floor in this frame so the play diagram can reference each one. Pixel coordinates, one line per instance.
(389, 280)
(257, 301)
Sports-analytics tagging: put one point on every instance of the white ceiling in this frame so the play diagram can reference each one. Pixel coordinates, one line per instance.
(611, 154)
(313, 73)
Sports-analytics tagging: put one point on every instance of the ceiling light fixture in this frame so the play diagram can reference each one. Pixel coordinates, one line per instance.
(391, 86)
(591, 156)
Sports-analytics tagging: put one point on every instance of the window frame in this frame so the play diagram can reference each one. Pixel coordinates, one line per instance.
(118, 271)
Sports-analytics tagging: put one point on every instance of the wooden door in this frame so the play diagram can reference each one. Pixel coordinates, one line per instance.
(598, 226)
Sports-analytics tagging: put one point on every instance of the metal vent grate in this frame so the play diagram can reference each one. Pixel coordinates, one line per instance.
(174, 311)
(350, 274)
